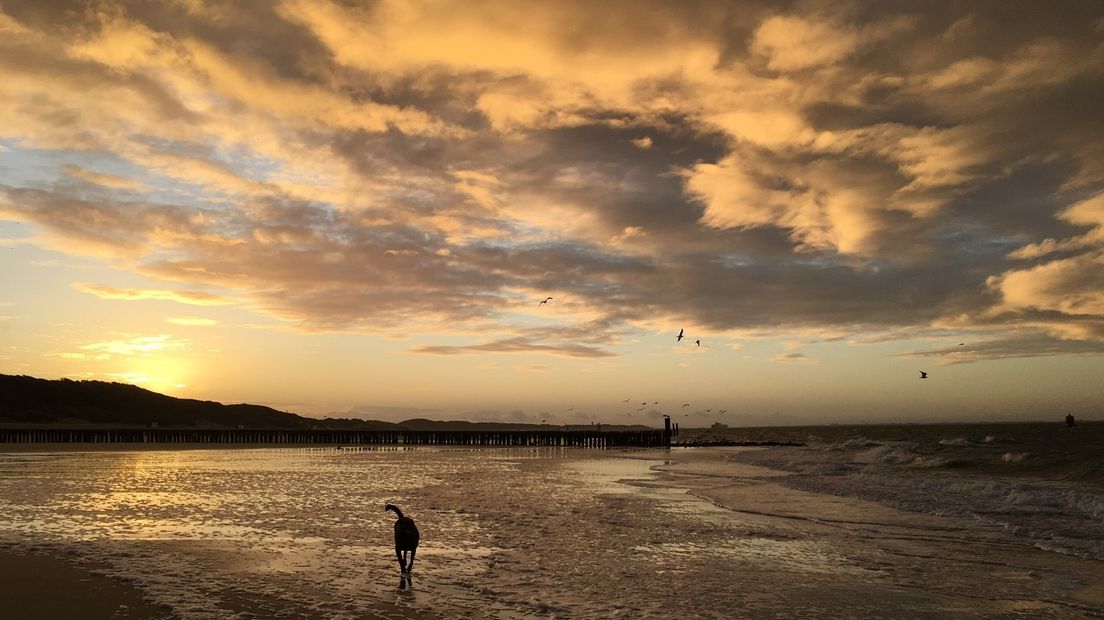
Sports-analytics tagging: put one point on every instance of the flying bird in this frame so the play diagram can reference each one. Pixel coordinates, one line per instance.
(698, 342)
(961, 344)
(546, 300)
(679, 337)
(923, 375)
(685, 404)
(625, 401)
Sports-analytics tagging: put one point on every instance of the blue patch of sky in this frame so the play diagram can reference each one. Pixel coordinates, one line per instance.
(43, 169)
(735, 261)
(21, 167)
(974, 241)
(247, 163)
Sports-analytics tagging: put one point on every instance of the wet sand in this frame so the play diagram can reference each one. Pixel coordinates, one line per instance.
(862, 559)
(36, 585)
(507, 534)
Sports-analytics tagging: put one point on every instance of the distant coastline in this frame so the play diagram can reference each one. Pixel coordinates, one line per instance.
(30, 402)
(33, 403)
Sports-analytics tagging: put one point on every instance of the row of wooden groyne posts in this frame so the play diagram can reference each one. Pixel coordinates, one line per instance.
(551, 438)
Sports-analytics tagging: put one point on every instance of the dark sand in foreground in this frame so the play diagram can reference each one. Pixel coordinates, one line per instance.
(40, 586)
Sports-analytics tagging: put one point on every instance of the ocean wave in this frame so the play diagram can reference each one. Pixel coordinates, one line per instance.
(1057, 515)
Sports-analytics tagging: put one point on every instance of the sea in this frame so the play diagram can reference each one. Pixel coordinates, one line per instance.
(887, 521)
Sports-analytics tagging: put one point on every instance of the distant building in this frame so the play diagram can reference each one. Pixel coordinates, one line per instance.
(717, 426)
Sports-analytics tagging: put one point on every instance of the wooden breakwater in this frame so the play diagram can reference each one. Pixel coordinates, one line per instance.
(553, 438)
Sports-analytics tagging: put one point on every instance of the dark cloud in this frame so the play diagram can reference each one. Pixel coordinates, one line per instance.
(1025, 345)
(515, 345)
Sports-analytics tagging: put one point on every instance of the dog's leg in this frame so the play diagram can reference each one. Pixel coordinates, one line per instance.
(402, 560)
(410, 566)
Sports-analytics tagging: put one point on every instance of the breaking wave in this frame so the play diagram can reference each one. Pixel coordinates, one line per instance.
(1054, 499)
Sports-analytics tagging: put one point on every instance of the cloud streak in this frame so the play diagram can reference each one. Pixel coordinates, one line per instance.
(516, 345)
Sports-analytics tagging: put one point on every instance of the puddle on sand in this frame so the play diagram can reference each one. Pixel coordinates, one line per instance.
(609, 475)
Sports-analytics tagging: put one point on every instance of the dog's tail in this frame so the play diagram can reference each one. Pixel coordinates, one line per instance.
(393, 508)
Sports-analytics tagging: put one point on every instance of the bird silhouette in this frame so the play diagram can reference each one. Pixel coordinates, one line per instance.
(679, 337)
(697, 342)
(546, 300)
(722, 411)
(961, 344)
(923, 375)
(406, 538)
(685, 404)
(625, 401)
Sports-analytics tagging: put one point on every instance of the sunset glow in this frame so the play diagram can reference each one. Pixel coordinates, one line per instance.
(354, 210)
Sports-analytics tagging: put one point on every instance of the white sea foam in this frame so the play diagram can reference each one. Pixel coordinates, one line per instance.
(1060, 515)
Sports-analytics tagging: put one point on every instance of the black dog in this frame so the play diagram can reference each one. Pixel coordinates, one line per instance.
(406, 538)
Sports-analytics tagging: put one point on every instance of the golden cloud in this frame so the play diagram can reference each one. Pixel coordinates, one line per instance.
(195, 298)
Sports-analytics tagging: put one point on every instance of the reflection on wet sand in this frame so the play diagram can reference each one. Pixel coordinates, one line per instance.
(510, 533)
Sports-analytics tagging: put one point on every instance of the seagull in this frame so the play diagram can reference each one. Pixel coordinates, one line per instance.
(625, 401)
(679, 337)
(961, 344)
(546, 300)
(923, 375)
(643, 403)
(721, 411)
(709, 411)
(685, 404)
(698, 342)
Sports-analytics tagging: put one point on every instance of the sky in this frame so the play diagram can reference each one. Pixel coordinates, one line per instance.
(353, 209)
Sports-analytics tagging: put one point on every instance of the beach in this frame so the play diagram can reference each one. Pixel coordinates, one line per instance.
(521, 533)
(38, 585)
